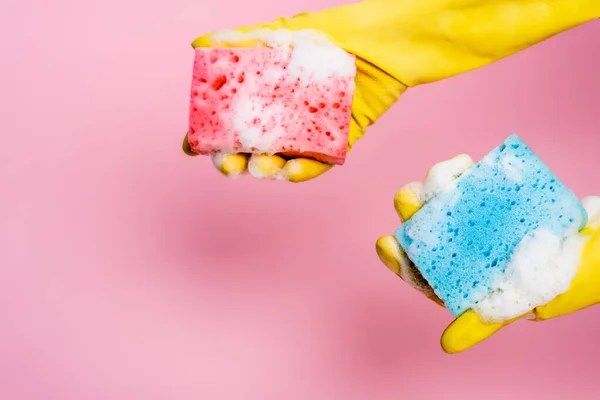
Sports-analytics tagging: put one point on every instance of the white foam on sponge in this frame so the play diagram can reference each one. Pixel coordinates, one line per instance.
(592, 207)
(541, 268)
(542, 265)
(441, 178)
(315, 58)
(249, 109)
(512, 168)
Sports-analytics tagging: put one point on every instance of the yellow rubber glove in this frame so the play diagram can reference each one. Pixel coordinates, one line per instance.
(402, 44)
(468, 330)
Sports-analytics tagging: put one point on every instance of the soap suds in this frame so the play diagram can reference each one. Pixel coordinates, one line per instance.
(441, 178)
(218, 159)
(541, 268)
(249, 109)
(314, 56)
(511, 168)
(592, 206)
(292, 167)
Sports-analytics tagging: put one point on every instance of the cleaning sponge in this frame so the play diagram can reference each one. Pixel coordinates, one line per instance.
(291, 94)
(500, 238)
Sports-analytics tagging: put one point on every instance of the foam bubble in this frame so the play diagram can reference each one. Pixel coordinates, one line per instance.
(511, 168)
(271, 75)
(292, 167)
(314, 56)
(442, 177)
(248, 109)
(592, 206)
(541, 267)
(218, 159)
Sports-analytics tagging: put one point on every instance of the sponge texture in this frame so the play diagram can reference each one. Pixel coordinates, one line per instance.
(463, 239)
(290, 100)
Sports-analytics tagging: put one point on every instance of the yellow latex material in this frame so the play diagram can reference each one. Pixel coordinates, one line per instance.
(468, 330)
(401, 44)
(407, 203)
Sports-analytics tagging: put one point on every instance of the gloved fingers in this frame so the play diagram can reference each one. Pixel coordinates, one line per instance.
(294, 170)
(407, 201)
(391, 254)
(468, 330)
(185, 146)
(269, 167)
(231, 165)
(264, 166)
(299, 170)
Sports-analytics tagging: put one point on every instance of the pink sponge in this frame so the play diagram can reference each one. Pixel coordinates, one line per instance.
(271, 100)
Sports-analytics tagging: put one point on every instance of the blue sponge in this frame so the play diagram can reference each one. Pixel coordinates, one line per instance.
(462, 240)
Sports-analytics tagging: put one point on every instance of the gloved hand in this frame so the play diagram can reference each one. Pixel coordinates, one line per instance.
(468, 330)
(402, 44)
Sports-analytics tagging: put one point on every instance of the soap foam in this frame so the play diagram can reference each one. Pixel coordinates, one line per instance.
(218, 159)
(541, 268)
(441, 178)
(249, 109)
(592, 206)
(314, 56)
(512, 168)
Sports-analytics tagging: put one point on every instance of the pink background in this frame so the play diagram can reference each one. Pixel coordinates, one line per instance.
(129, 271)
